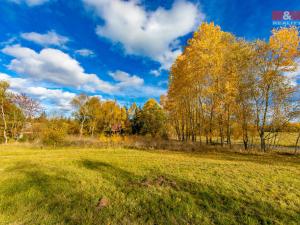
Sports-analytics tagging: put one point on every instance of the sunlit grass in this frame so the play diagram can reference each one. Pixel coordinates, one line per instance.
(63, 186)
(287, 138)
(283, 139)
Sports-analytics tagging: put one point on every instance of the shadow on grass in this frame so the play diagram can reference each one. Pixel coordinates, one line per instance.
(253, 157)
(269, 159)
(163, 199)
(36, 197)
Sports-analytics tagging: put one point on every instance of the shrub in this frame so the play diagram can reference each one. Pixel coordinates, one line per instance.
(54, 132)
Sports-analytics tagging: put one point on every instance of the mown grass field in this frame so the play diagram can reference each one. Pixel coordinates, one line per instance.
(63, 186)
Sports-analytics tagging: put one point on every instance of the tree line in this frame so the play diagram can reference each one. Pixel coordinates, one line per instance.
(23, 118)
(108, 117)
(223, 86)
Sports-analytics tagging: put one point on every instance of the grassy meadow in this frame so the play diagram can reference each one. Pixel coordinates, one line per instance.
(64, 186)
(283, 139)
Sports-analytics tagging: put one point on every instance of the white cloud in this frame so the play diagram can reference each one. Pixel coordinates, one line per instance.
(10, 41)
(54, 99)
(85, 52)
(294, 76)
(47, 39)
(133, 86)
(149, 33)
(126, 80)
(58, 100)
(151, 91)
(57, 67)
(30, 2)
(163, 82)
(54, 66)
(156, 73)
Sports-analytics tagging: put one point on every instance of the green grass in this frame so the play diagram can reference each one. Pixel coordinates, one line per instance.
(283, 139)
(287, 138)
(63, 186)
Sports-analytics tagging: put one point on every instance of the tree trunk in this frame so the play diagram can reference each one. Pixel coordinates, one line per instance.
(221, 134)
(262, 130)
(177, 129)
(4, 122)
(245, 144)
(93, 129)
(262, 140)
(245, 137)
(228, 131)
(81, 127)
(245, 133)
(200, 137)
(211, 124)
(182, 130)
(297, 141)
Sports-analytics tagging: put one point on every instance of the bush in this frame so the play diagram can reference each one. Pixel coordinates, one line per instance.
(54, 133)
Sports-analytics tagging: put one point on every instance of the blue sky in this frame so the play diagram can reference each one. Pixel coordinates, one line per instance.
(114, 49)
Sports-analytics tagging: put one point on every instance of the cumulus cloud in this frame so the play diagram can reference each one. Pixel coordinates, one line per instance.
(56, 99)
(149, 33)
(133, 86)
(30, 2)
(126, 80)
(85, 52)
(54, 66)
(47, 39)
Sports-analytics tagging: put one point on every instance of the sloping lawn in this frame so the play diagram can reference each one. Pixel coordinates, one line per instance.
(64, 186)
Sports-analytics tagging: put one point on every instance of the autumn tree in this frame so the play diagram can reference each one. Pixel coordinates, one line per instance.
(3, 101)
(242, 58)
(15, 120)
(153, 118)
(11, 114)
(272, 90)
(29, 107)
(197, 85)
(222, 85)
(94, 114)
(98, 116)
(136, 122)
(81, 113)
(114, 115)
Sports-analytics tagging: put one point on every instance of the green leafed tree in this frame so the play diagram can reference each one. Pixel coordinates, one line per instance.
(153, 118)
